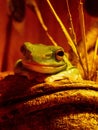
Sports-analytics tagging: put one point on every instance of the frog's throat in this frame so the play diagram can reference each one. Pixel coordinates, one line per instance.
(45, 68)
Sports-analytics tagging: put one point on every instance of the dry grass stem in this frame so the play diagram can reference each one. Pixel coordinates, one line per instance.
(39, 16)
(93, 69)
(82, 25)
(71, 24)
(70, 41)
(74, 36)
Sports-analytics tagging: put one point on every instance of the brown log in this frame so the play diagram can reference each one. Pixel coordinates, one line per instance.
(61, 105)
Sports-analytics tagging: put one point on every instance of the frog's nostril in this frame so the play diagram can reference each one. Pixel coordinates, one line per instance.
(59, 55)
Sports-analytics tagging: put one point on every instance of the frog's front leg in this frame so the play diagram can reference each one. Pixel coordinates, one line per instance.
(19, 69)
(36, 77)
(71, 74)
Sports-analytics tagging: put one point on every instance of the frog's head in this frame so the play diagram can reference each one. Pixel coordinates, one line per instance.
(43, 58)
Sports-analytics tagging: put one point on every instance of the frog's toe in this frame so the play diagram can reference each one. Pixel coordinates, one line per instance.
(49, 79)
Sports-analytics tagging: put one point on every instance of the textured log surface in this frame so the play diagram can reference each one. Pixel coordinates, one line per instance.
(61, 105)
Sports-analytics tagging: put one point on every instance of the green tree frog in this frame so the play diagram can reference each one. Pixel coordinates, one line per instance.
(47, 60)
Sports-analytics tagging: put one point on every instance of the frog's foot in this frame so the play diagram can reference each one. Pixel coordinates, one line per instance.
(21, 70)
(25, 73)
(71, 75)
(31, 75)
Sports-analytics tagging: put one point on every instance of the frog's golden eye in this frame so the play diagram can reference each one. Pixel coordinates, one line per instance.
(59, 54)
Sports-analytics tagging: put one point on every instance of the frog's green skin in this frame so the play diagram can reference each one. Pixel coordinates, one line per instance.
(48, 60)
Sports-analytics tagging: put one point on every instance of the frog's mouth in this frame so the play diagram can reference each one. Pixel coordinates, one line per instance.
(41, 68)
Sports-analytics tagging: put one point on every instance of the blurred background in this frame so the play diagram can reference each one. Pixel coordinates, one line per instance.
(19, 23)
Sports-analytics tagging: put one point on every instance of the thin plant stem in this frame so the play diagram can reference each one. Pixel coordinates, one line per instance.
(96, 50)
(71, 23)
(70, 41)
(39, 16)
(82, 24)
(93, 68)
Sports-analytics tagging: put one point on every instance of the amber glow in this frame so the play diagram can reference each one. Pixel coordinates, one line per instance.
(31, 30)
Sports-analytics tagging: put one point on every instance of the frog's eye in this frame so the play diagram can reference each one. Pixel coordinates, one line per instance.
(59, 54)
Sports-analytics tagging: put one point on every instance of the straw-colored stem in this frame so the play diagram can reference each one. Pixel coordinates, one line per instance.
(96, 50)
(39, 16)
(93, 68)
(74, 35)
(70, 41)
(82, 25)
(71, 23)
